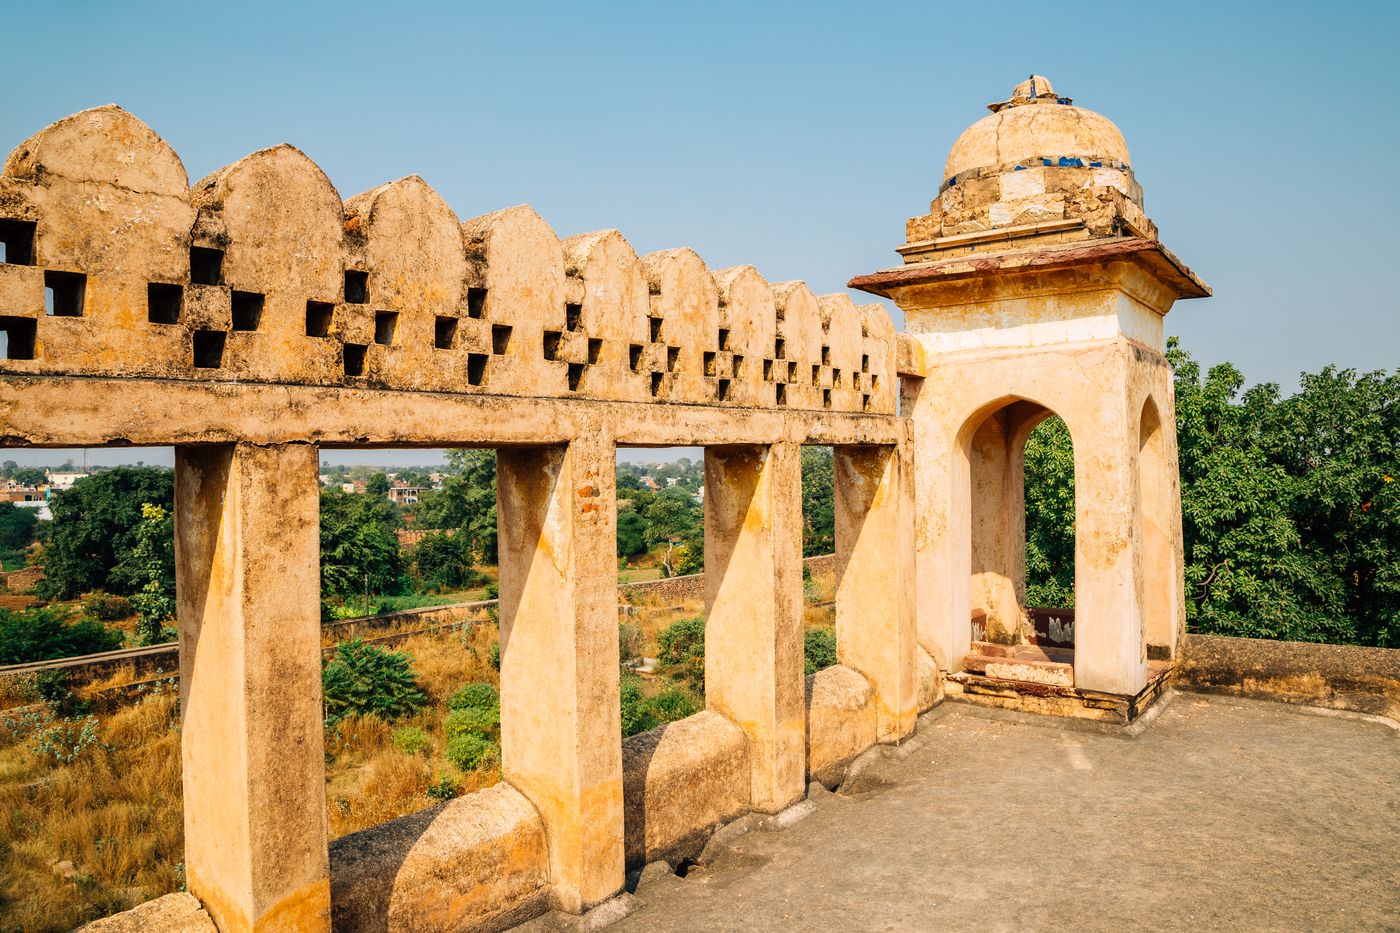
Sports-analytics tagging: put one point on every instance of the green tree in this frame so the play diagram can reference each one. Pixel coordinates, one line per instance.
(631, 534)
(154, 557)
(94, 531)
(17, 527)
(818, 503)
(359, 545)
(27, 476)
(1049, 515)
(363, 679)
(467, 501)
(675, 524)
(444, 562)
(377, 486)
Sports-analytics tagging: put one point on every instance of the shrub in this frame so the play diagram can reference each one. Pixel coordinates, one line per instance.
(672, 704)
(472, 720)
(682, 647)
(818, 649)
(470, 751)
(107, 608)
(496, 657)
(475, 695)
(365, 679)
(637, 715)
(65, 740)
(444, 788)
(411, 740)
(493, 590)
(44, 634)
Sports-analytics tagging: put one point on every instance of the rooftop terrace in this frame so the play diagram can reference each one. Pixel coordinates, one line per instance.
(1224, 814)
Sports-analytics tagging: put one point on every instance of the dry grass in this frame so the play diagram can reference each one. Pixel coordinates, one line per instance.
(114, 813)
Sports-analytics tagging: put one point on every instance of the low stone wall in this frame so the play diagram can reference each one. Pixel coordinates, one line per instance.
(840, 722)
(680, 782)
(692, 585)
(1349, 677)
(476, 863)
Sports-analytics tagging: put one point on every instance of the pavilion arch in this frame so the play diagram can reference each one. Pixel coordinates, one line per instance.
(989, 490)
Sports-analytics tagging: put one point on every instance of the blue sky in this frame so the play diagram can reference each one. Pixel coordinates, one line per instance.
(797, 137)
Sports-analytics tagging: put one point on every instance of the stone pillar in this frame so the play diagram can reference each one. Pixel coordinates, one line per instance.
(561, 726)
(753, 600)
(1110, 644)
(875, 579)
(248, 576)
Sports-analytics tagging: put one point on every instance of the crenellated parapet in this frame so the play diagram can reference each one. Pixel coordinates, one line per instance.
(260, 273)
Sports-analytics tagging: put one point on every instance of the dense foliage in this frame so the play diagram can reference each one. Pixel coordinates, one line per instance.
(47, 632)
(359, 547)
(818, 502)
(364, 679)
(669, 521)
(153, 563)
(1290, 506)
(466, 502)
(93, 542)
(18, 528)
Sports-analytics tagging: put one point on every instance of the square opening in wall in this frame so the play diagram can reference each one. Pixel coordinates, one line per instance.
(656, 383)
(779, 348)
(792, 371)
(826, 398)
(17, 243)
(865, 403)
(826, 356)
(318, 318)
(816, 375)
(445, 333)
(573, 316)
(356, 287)
(595, 350)
(63, 293)
(206, 266)
(247, 310)
(865, 363)
(654, 328)
(354, 357)
(476, 369)
(500, 339)
(724, 338)
(476, 302)
(780, 395)
(552, 339)
(163, 302)
(634, 356)
(208, 349)
(836, 378)
(767, 370)
(17, 338)
(673, 358)
(707, 363)
(722, 390)
(736, 368)
(575, 376)
(386, 325)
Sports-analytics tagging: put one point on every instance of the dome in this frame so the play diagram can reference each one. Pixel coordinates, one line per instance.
(1036, 124)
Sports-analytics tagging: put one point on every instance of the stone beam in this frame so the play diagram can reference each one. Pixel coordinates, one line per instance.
(561, 730)
(248, 578)
(753, 600)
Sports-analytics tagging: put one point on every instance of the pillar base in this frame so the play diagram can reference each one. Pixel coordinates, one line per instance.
(1061, 701)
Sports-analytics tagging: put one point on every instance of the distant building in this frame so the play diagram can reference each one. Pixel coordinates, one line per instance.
(40, 507)
(58, 482)
(403, 494)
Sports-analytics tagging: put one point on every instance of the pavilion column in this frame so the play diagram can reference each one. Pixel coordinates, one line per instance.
(561, 725)
(875, 578)
(252, 746)
(1110, 644)
(753, 599)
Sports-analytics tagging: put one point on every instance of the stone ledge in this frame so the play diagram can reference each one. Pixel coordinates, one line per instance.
(478, 862)
(1345, 677)
(841, 722)
(173, 913)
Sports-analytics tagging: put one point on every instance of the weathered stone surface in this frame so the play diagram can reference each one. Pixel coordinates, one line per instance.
(1349, 677)
(1034, 672)
(841, 721)
(476, 863)
(680, 781)
(930, 680)
(173, 913)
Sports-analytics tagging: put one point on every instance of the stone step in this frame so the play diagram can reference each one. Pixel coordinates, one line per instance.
(1025, 669)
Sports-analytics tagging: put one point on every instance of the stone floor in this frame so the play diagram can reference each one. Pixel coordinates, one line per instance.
(1225, 814)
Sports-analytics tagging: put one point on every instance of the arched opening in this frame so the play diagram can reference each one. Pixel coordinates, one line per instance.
(1021, 586)
(1157, 573)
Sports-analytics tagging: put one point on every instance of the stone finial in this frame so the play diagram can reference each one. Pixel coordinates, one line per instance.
(1036, 89)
